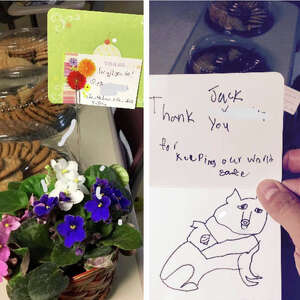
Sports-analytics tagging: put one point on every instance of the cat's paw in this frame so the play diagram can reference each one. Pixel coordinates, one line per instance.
(189, 286)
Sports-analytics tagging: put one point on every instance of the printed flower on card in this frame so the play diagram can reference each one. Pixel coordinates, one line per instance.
(86, 67)
(87, 87)
(9, 223)
(72, 230)
(73, 62)
(76, 80)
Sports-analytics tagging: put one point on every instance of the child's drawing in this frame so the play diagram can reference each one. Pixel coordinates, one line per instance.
(225, 241)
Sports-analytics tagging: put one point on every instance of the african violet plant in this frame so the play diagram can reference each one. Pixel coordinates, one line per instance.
(58, 225)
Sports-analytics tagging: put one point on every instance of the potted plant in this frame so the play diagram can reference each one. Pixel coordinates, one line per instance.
(61, 232)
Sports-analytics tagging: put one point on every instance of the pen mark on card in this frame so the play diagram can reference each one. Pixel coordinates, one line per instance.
(218, 96)
(182, 117)
(154, 98)
(225, 110)
(227, 240)
(217, 124)
(226, 166)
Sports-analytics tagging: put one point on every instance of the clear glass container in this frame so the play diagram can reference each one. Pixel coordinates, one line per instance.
(24, 158)
(23, 48)
(245, 18)
(225, 54)
(25, 111)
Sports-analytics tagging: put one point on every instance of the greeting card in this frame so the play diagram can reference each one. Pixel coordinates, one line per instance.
(117, 37)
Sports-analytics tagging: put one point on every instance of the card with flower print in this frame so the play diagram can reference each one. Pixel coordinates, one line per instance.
(212, 139)
(101, 80)
(101, 34)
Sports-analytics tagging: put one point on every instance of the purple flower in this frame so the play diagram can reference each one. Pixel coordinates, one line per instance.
(115, 195)
(98, 207)
(73, 62)
(63, 197)
(72, 230)
(123, 201)
(44, 206)
(103, 183)
(78, 252)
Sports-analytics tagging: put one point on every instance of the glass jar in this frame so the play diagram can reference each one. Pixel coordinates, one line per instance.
(225, 54)
(25, 111)
(245, 18)
(23, 48)
(22, 159)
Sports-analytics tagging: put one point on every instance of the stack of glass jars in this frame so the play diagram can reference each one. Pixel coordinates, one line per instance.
(30, 125)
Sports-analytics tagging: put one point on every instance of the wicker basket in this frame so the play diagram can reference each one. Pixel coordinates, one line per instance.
(92, 284)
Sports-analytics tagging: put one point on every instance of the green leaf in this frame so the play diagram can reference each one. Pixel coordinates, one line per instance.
(63, 256)
(78, 210)
(124, 237)
(46, 282)
(90, 180)
(101, 250)
(35, 236)
(11, 201)
(106, 173)
(106, 229)
(14, 185)
(21, 251)
(102, 228)
(32, 185)
(122, 174)
(17, 288)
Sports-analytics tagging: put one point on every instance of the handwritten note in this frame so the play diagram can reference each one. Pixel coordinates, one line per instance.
(101, 80)
(291, 100)
(213, 138)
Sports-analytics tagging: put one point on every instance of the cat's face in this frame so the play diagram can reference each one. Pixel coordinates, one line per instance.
(242, 216)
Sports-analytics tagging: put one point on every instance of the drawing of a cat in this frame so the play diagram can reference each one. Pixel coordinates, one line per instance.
(225, 241)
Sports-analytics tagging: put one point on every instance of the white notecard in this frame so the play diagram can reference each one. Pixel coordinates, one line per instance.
(212, 139)
(106, 80)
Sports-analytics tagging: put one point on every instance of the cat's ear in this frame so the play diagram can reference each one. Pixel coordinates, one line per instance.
(196, 224)
(234, 197)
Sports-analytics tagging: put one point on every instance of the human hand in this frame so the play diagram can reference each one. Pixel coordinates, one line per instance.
(281, 202)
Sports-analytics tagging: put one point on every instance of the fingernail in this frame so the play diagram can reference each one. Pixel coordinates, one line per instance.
(268, 189)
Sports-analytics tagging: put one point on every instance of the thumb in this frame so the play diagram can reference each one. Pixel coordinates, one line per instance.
(284, 207)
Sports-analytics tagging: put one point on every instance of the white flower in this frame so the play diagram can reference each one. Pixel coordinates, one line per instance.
(65, 170)
(71, 191)
(68, 171)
